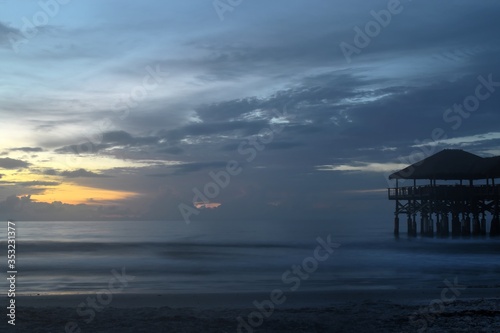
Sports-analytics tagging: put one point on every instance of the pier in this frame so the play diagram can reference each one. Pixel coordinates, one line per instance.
(452, 189)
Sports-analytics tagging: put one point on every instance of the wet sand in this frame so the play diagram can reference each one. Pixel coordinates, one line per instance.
(474, 310)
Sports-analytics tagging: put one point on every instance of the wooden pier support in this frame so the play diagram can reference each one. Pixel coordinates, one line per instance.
(483, 225)
(455, 194)
(495, 226)
(428, 226)
(466, 226)
(476, 226)
(425, 224)
(396, 226)
(412, 227)
(445, 226)
(438, 225)
(455, 225)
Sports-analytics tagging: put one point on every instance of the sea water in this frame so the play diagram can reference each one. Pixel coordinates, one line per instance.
(68, 257)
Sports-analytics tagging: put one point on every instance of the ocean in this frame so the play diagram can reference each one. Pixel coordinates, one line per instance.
(173, 257)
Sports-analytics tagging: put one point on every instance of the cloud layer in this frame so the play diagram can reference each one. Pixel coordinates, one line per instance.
(152, 100)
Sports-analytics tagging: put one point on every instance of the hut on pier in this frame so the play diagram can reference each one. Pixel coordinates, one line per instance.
(451, 187)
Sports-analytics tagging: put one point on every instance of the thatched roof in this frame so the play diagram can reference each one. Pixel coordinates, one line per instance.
(452, 164)
(491, 166)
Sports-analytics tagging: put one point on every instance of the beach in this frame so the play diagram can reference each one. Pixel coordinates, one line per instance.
(340, 311)
(100, 277)
(249, 166)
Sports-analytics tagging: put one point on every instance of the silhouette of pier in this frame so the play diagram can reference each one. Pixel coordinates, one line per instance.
(452, 188)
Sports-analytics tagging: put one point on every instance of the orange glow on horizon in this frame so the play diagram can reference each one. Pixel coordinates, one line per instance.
(76, 194)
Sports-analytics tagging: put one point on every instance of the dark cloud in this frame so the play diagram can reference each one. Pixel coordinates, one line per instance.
(108, 140)
(452, 32)
(82, 148)
(117, 137)
(229, 83)
(28, 149)
(49, 172)
(31, 183)
(6, 33)
(67, 173)
(282, 145)
(10, 163)
(187, 168)
(124, 138)
(24, 208)
(244, 128)
(81, 173)
(226, 110)
(194, 167)
(171, 150)
(270, 146)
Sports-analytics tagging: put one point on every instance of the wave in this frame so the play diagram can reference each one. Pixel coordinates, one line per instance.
(33, 247)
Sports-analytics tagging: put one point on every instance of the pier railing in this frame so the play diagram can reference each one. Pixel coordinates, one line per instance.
(444, 192)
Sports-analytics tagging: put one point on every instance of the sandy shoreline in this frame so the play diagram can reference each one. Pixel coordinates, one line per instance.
(476, 310)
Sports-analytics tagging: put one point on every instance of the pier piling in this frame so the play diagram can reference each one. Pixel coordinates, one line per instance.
(459, 190)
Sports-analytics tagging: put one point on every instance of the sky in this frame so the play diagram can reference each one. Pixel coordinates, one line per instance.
(236, 110)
